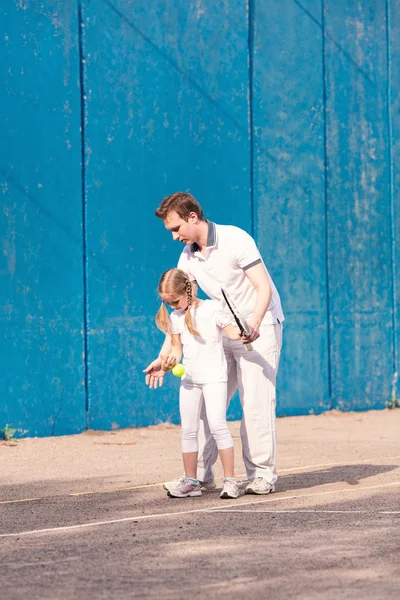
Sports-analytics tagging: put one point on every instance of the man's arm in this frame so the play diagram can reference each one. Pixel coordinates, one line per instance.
(260, 282)
(247, 256)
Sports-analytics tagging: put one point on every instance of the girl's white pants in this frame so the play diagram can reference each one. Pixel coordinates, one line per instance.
(213, 396)
(254, 375)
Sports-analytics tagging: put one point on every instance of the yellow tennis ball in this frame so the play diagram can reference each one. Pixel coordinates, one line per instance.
(178, 370)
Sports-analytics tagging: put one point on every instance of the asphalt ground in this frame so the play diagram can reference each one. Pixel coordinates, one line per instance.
(86, 517)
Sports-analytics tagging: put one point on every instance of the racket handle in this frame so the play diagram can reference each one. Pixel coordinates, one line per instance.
(248, 347)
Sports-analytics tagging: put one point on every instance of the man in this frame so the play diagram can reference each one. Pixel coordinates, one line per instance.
(218, 256)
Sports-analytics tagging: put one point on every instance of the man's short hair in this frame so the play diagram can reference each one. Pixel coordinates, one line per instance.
(183, 204)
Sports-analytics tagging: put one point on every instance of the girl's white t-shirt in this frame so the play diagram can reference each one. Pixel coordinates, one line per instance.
(203, 357)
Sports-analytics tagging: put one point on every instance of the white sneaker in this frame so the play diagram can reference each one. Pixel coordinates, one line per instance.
(206, 485)
(168, 485)
(187, 487)
(230, 489)
(259, 485)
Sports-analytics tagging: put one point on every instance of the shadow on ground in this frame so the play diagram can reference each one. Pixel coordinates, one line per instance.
(350, 474)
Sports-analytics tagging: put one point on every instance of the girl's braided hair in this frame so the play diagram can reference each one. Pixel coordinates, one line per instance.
(175, 281)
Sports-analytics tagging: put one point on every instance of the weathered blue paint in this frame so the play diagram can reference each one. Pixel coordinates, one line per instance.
(289, 189)
(281, 118)
(167, 111)
(359, 216)
(41, 391)
(393, 34)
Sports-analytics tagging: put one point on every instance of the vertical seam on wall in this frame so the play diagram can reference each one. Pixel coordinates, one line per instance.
(250, 46)
(391, 191)
(84, 113)
(328, 310)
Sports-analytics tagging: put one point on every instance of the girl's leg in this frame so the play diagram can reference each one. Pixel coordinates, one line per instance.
(215, 397)
(228, 462)
(190, 401)
(208, 451)
(190, 464)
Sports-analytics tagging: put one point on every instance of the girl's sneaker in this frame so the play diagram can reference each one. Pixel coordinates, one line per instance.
(230, 489)
(185, 487)
(169, 485)
(206, 485)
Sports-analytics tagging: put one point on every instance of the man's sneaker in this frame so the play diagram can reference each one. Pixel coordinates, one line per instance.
(208, 485)
(259, 485)
(230, 489)
(187, 487)
(205, 485)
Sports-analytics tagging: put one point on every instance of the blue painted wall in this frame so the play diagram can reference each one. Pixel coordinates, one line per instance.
(41, 293)
(289, 190)
(281, 118)
(166, 110)
(358, 204)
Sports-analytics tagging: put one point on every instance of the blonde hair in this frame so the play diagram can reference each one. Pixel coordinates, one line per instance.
(175, 281)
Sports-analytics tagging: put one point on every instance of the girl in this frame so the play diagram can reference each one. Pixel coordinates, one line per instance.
(196, 328)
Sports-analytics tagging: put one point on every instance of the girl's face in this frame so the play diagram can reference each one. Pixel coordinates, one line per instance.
(176, 301)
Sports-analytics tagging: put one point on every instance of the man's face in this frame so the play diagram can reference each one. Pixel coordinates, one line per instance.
(183, 231)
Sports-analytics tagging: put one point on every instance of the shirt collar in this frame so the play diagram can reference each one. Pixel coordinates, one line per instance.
(211, 237)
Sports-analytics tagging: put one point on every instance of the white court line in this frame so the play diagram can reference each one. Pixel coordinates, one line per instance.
(296, 496)
(187, 512)
(316, 511)
(98, 523)
(18, 501)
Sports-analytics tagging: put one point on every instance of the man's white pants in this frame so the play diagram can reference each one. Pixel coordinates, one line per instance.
(254, 375)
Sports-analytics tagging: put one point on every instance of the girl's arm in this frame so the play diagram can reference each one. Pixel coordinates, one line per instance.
(154, 371)
(166, 347)
(232, 332)
(175, 353)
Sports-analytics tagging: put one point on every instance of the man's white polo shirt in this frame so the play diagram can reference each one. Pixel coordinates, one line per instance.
(230, 252)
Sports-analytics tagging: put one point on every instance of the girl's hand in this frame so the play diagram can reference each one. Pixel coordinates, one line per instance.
(154, 374)
(169, 362)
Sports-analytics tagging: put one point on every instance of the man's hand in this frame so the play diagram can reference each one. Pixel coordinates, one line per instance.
(154, 374)
(254, 324)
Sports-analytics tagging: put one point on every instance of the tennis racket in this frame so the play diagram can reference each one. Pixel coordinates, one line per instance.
(240, 321)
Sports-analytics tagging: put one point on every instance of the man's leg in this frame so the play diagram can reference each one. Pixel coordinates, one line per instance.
(257, 388)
